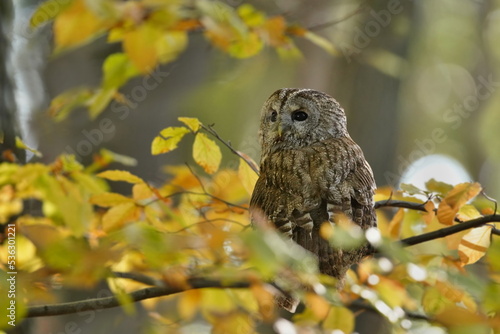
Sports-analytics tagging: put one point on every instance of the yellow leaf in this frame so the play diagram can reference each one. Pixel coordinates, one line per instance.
(250, 15)
(100, 100)
(192, 123)
(474, 244)
(170, 45)
(234, 322)
(392, 292)
(247, 176)
(246, 45)
(76, 25)
(109, 199)
(168, 140)
(339, 318)
(140, 44)
(455, 199)
(47, 11)
(120, 175)
(206, 153)
(189, 303)
(117, 215)
(141, 191)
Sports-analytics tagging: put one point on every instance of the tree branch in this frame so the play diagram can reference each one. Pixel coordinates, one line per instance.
(450, 230)
(135, 296)
(214, 133)
(400, 204)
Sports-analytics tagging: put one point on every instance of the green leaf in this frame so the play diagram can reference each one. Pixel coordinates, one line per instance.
(117, 70)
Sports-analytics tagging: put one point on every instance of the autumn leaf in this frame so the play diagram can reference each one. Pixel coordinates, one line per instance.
(117, 70)
(318, 305)
(339, 318)
(62, 104)
(168, 139)
(75, 25)
(474, 244)
(454, 200)
(117, 215)
(192, 123)
(247, 176)
(109, 199)
(140, 45)
(120, 175)
(206, 153)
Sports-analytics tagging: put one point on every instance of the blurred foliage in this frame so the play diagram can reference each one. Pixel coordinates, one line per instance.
(155, 32)
(197, 225)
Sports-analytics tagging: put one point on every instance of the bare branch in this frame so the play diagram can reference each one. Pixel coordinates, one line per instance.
(400, 204)
(135, 296)
(450, 230)
(358, 10)
(214, 133)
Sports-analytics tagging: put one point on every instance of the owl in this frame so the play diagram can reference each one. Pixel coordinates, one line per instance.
(311, 172)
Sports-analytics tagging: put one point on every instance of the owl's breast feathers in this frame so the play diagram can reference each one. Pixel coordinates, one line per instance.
(298, 190)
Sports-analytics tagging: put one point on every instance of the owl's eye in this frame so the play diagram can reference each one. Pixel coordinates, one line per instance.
(299, 116)
(274, 116)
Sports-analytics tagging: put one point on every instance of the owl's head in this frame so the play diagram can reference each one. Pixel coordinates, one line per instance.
(293, 117)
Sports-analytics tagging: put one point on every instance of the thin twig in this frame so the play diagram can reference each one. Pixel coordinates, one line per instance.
(324, 25)
(211, 131)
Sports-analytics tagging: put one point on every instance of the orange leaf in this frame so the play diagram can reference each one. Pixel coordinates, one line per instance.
(395, 224)
(454, 200)
(117, 215)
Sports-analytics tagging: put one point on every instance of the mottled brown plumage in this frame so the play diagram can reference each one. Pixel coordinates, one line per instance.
(311, 171)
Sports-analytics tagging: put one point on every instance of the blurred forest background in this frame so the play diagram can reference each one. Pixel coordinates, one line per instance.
(418, 79)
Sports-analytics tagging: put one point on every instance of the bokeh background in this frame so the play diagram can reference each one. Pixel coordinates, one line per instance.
(419, 81)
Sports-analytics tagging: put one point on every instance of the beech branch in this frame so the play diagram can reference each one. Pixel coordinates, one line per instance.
(135, 296)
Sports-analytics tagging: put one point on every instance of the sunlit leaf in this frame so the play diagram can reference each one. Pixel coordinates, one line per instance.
(206, 153)
(109, 199)
(474, 244)
(75, 25)
(192, 123)
(250, 15)
(170, 45)
(395, 224)
(455, 199)
(247, 176)
(117, 215)
(99, 101)
(117, 70)
(120, 175)
(140, 45)
(438, 187)
(168, 139)
(47, 11)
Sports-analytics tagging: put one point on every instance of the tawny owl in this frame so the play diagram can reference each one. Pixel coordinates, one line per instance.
(310, 171)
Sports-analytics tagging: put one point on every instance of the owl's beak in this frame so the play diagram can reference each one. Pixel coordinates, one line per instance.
(280, 130)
